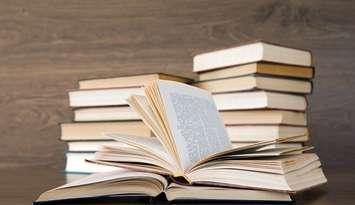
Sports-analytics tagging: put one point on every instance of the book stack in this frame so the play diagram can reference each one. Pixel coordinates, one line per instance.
(242, 142)
(259, 89)
(100, 106)
(191, 157)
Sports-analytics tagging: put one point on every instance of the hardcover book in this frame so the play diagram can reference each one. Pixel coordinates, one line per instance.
(263, 68)
(94, 130)
(259, 99)
(250, 53)
(129, 81)
(255, 82)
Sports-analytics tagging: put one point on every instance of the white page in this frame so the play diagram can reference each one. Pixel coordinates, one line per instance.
(196, 126)
(118, 175)
(150, 144)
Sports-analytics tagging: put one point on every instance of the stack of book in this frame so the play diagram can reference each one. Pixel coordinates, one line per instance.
(243, 142)
(100, 106)
(259, 89)
(191, 157)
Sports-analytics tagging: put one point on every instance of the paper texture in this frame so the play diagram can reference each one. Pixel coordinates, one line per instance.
(194, 121)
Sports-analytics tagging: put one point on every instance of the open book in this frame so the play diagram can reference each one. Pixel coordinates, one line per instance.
(130, 183)
(192, 147)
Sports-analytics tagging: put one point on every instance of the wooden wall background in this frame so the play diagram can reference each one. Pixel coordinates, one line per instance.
(46, 46)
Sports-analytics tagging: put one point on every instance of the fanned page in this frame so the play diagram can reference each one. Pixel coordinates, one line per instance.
(194, 122)
(122, 182)
(152, 119)
(148, 147)
(123, 174)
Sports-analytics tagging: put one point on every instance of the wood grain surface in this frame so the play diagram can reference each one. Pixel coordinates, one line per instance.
(46, 46)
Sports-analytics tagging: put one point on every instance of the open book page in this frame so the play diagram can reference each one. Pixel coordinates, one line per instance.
(277, 165)
(152, 119)
(271, 152)
(141, 106)
(148, 147)
(151, 145)
(274, 152)
(117, 175)
(125, 183)
(194, 121)
(247, 149)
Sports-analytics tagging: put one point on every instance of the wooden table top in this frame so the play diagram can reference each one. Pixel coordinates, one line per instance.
(22, 185)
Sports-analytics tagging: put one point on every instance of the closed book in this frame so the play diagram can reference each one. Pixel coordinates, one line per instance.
(95, 130)
(129, 81)
(259, 100)
(262, 68)
(263, 117)
(102, 97)
(257, 133)
(255, 82)
(114, 113)
(90, 145)
(249, 53)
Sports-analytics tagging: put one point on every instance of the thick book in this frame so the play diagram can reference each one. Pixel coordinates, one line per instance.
(95, 130)
(255, 82)
(249, 53)
(256, 133)
(192, 147)
(261, 68)
(102, 97)
(88, 146)
(263, 117)
(272, 168)
(129, 81)
(121, 183)
(259, 100)
(115, 113)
